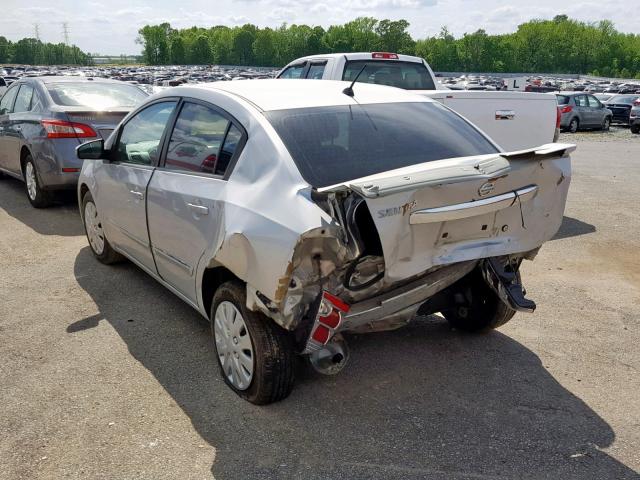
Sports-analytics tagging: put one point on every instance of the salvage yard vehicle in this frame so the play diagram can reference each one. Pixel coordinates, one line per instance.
(289, 213)
(621, 106)
(634, 117)
(43, 120)
(514, 120)
(580, 110)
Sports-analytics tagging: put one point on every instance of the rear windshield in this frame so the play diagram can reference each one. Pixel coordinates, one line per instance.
(95, 95)
(407, 75)
(623, 99)
(562, 99)
(339, 143)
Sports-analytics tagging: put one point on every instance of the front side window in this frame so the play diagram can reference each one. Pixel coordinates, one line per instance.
(335, 144)
(316, 70)
(196, 140)
(6, 104)
(581, 101)
(407, 75)
(95, 95)
(23, 100)
(294, 71)
(593, 102)
(139, 141)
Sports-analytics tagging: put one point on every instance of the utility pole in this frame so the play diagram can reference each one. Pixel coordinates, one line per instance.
(65, 32)
(36, 30)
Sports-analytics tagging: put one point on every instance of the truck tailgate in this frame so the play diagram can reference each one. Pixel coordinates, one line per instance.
(514, 120)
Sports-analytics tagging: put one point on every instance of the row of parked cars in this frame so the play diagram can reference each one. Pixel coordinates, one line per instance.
(289, 212)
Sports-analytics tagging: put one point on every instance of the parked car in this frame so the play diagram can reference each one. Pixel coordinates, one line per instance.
(582, 111)
(620, 106)
(290, 212)
(3, 86)
(634, 117)
(43, 120)
(515, 120)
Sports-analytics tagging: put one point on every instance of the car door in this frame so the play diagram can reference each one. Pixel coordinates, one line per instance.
(122, 181)
(582, 107)
(6, 107)
(185, 195)
(596, 110)
(20, 121)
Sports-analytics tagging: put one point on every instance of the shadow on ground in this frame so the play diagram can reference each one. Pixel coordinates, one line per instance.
(62, 218)
(419, 403)
(572, 227)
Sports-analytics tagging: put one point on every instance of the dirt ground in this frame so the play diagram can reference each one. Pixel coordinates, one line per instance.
(104, 374)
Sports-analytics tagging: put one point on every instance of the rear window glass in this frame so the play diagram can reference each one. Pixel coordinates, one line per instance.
(95, 95)
(562, 99)
(339, 143)
(407, 75)
(623, 98)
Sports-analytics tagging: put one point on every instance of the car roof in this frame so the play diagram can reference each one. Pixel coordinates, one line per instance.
(364, 56)
(74, 79)
(281, 94)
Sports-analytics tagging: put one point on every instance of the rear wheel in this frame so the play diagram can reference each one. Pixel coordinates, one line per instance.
(98, 242)
(477, 309)
(635, 129)
(255, 356)
(606, 124)
(573, 125)
(38, 197)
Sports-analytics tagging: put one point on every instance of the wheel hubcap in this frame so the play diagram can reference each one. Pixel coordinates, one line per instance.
(94, 228)
(233, 344)
(30, 177)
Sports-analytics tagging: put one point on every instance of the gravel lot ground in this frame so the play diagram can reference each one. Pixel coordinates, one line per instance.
(104, 374)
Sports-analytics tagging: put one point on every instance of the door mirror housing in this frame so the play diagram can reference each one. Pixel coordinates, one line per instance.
(93, 150)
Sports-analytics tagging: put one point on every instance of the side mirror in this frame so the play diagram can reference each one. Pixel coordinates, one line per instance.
(93, 150)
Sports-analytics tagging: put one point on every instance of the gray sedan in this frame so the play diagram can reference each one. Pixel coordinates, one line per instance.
(581, 111)
(43, 120)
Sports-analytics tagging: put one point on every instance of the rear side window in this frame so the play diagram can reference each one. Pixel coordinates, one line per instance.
(95, 95)
(316, 70)
(294, 71)
(23, 100)
(339, 143)
(407, 75)
(197, 139)
(563, 99)
(6, 104)
(139, 141)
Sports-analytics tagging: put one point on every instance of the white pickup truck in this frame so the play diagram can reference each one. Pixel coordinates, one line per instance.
(514, 120)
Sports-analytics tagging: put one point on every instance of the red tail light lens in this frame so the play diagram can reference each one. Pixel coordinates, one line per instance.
(385, 55)
(566, 109)
(62, 129)
(321, 334)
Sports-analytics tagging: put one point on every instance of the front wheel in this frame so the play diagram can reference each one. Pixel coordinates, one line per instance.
(255, 356)
(480, 310)
(38, 197)
(98, 242)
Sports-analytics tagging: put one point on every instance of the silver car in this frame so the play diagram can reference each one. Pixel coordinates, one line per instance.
(582, 111)
(289, 212)
(43, 120)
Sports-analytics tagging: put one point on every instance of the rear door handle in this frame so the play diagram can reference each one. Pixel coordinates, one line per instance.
(199, 209)
(137, 194)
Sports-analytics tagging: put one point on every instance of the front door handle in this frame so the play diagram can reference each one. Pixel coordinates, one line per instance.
(199, 209)
(137, 194)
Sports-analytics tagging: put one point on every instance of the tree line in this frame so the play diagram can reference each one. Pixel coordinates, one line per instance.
(30, 51)
(561, 45)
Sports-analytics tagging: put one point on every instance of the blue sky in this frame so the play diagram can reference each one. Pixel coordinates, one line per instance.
(110, 26)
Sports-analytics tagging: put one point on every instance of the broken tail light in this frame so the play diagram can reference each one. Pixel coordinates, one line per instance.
(327, 321)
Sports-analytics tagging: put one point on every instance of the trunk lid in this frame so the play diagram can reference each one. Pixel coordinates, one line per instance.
(103, 122)
(466, 208)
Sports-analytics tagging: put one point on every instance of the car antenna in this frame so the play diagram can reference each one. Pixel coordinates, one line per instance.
(349, 89)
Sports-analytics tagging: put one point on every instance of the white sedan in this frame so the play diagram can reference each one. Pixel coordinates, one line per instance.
(290, 212)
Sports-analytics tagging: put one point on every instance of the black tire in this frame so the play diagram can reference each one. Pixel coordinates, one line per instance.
(606, 124)
(574, 124)
(635, 129)
(40, 197)
(108, 254)
(274, 359)
(482, 310)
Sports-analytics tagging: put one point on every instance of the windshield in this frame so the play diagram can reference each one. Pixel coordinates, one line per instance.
(339, 143)
(407, 75)
(95, 95)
